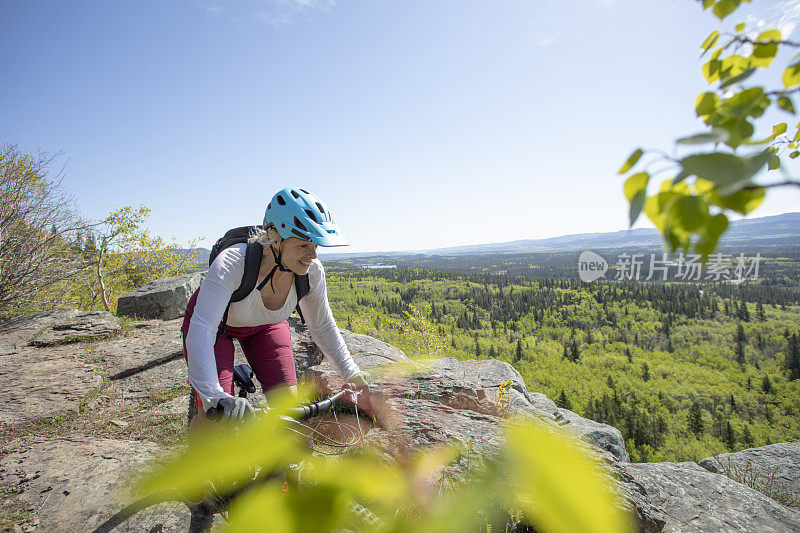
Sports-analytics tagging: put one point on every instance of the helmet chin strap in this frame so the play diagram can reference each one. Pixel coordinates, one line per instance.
(278, 266)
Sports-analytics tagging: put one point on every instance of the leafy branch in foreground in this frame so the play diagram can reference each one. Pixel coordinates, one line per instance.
(538, 474)
(690, 208)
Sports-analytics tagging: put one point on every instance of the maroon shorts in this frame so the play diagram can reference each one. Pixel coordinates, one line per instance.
(268, 349)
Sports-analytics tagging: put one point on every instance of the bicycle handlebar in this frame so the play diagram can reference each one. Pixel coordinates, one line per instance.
(302, 412)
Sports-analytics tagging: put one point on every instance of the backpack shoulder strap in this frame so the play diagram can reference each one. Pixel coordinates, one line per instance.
(302, 286)
(252, 264)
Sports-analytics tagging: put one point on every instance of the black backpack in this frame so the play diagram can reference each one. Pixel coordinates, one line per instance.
(252, 264)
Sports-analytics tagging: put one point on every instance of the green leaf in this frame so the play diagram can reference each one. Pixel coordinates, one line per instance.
(794, 154)
(740, 131)
(777, 130)
(682, 175)
(711, 70)
(750, 102)
(733, 65)
(785, 103)
(706, 104)
(716, 166)
(774, 162)
(545, 468)
(688, 213)
(632, 159)
(740, 26)
(656, 206)
(723, 168)
(635, 189)
(634, 184)
(791, 76)
(710, 41)
(717, 135)
(763, 54)
(636, 207)
(743, 201)
(736, 79)
(723, 8)
(754, 163)
(714, 228)
(707, 3)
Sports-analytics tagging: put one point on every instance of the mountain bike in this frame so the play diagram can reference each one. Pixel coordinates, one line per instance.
(170, 511)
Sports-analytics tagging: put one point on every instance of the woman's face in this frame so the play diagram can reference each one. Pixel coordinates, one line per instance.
(297, 254)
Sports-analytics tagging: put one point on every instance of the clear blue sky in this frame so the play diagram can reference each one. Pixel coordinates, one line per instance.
(421, 123)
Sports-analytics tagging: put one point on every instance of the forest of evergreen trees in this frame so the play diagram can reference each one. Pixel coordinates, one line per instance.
(682, 369)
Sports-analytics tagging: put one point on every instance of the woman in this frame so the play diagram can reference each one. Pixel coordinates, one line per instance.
(295, 223)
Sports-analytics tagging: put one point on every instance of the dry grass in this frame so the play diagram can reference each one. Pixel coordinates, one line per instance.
(761, 479)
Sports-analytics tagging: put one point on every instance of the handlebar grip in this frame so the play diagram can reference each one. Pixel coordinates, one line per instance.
(305, 412)
(302, 412)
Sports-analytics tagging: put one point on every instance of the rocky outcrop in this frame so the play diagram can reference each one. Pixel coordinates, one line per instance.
(75, 483)
(165, 298)
(684, 497)
(476, 386)
(776, 466)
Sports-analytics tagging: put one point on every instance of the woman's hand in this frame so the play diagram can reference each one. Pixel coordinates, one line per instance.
(359, 382)
(235, 409)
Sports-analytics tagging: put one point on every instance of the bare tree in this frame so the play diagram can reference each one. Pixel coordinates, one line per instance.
(38, 225)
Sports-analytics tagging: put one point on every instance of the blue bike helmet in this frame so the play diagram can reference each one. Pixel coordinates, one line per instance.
(297, 213)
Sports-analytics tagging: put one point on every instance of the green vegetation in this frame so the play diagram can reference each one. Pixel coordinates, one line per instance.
(683, 370)
(51, 258)
(690, 207)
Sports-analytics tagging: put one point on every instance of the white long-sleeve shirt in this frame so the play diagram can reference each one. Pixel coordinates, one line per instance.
(223, 278)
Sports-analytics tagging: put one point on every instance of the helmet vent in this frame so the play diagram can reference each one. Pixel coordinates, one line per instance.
(295, 193)
(321, 209)
(300, 235)
(269, 206)
(281, 201)
(299, 224)
(311, 215)
(304, 191)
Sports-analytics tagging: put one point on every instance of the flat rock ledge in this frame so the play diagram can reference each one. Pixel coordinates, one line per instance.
(74, 483)
(683, 497)
(83, 326)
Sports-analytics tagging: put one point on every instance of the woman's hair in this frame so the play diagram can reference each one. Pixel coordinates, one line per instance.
(261, 234)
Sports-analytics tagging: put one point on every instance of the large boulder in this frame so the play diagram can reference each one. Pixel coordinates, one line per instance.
(775, 467)
(366, 350)
(486, 387)
(164, 298)
(682, 497)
